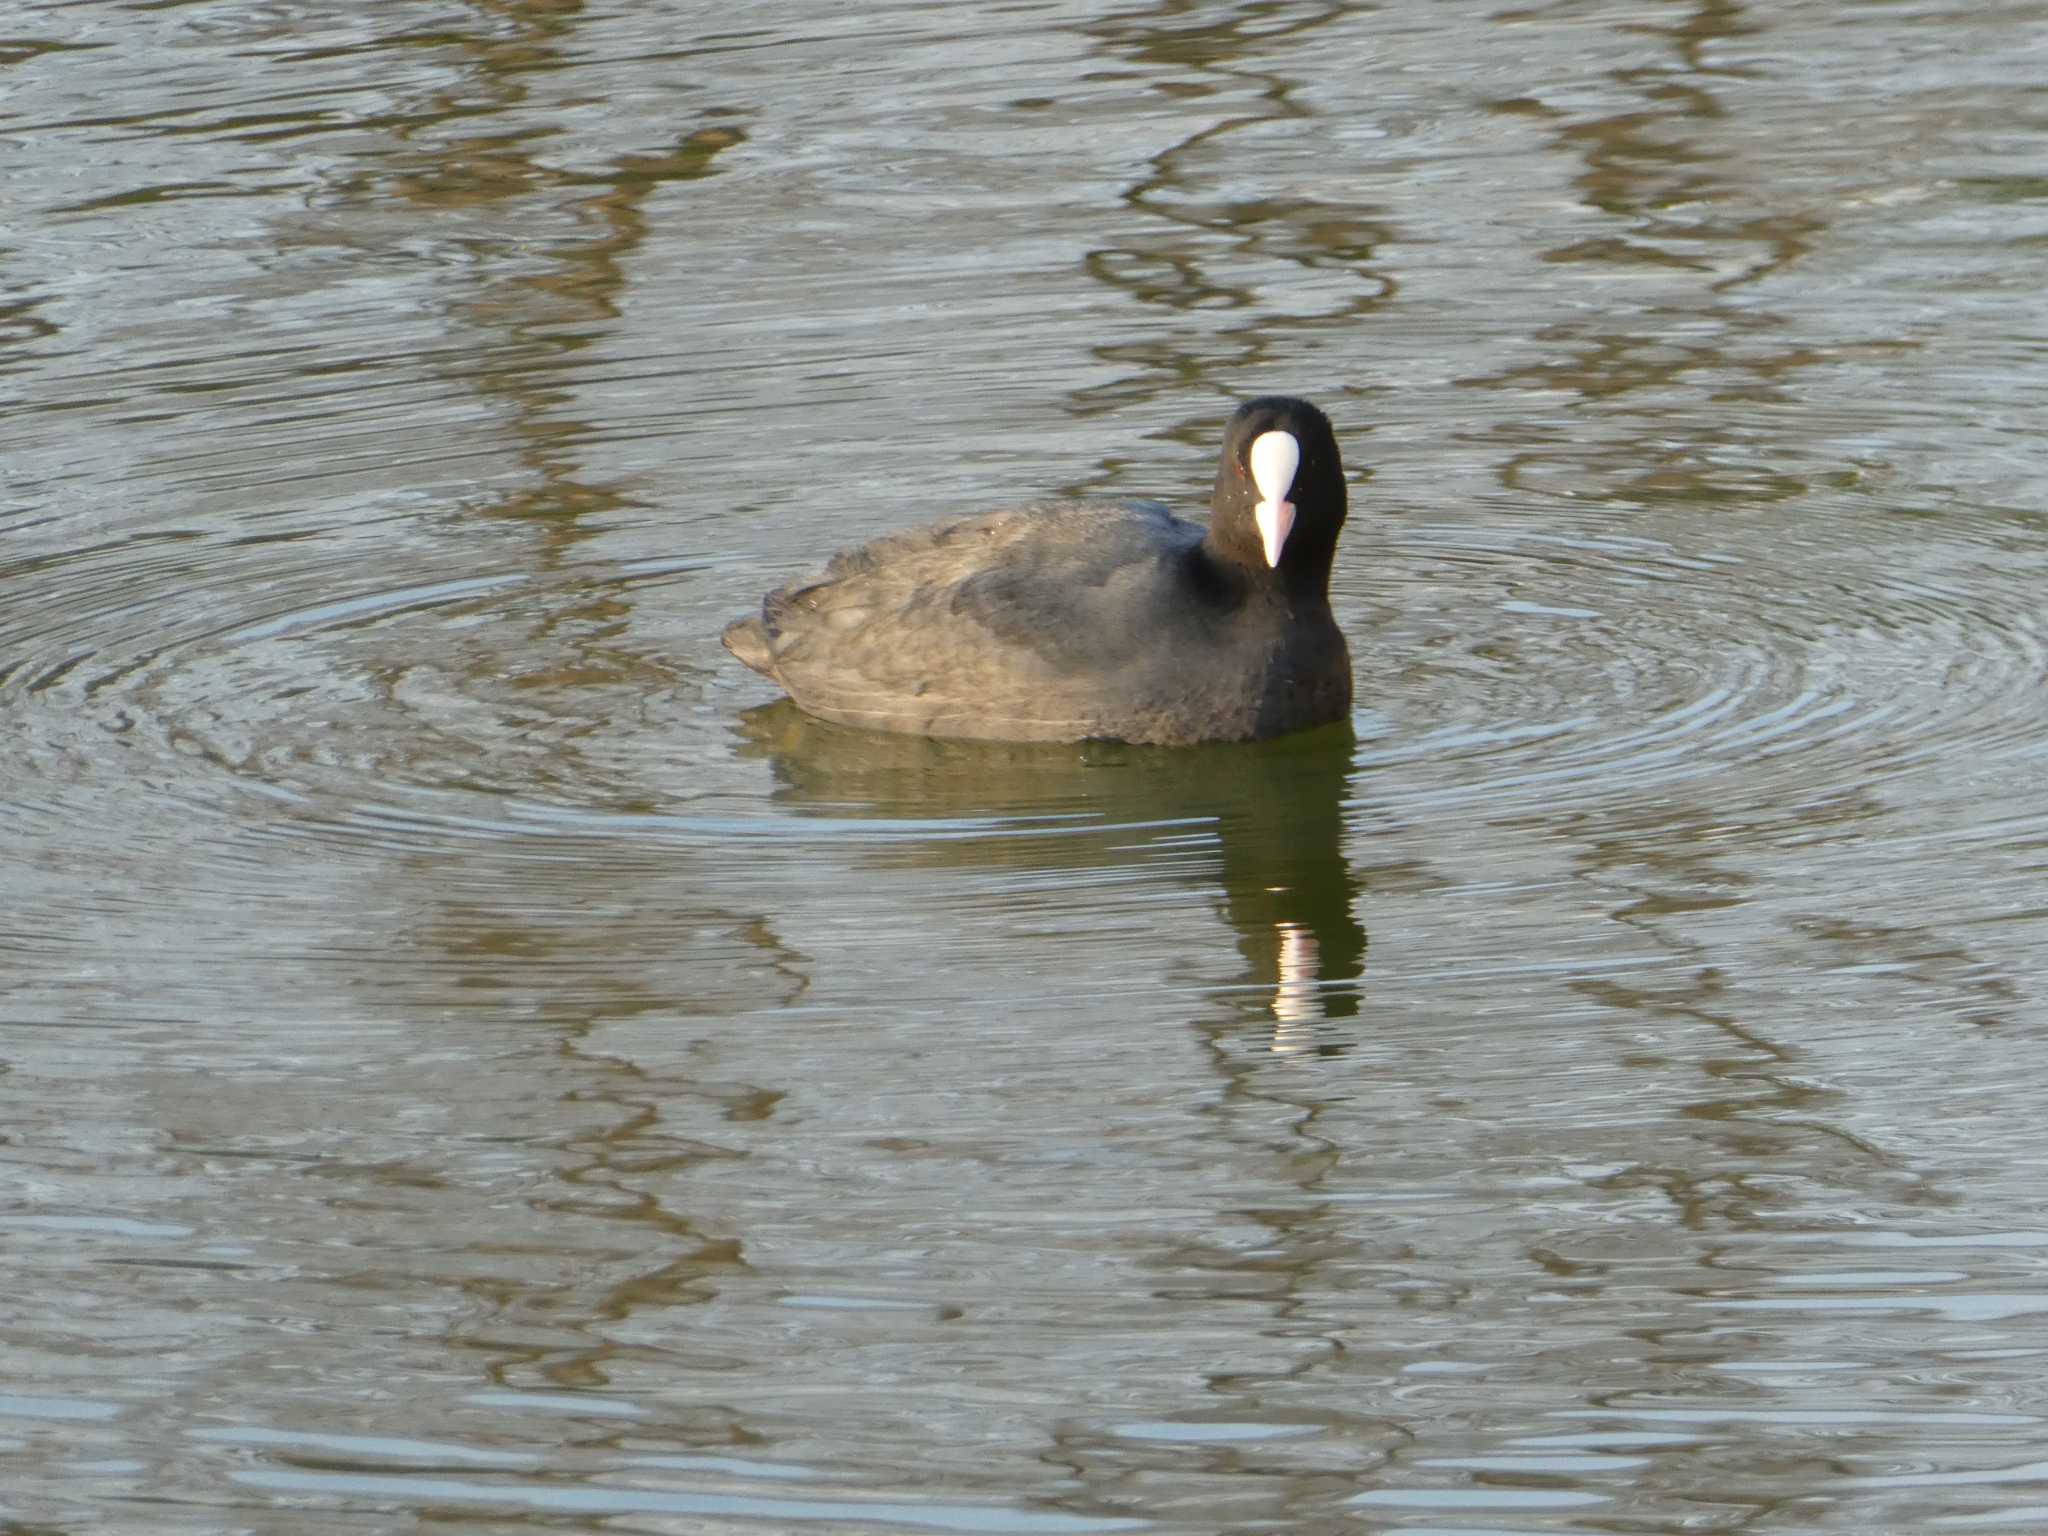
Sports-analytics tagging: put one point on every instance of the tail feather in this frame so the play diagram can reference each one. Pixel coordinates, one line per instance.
(748, 640)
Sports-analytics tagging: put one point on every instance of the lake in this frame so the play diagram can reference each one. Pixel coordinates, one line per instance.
(472, 1059)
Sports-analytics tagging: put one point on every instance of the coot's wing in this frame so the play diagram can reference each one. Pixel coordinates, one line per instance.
(1019, 623)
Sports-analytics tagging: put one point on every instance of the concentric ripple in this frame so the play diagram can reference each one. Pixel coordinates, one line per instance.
(1519, 668)
(203, 669)
(1542, 667)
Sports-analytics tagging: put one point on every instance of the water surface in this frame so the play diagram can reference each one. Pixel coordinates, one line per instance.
(472, 1059)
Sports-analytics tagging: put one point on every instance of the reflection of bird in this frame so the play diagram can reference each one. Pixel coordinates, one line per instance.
(1274, 809)
(1297, 1000)
(1070, 620)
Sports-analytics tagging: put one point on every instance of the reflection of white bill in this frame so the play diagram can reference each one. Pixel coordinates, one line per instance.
(1297, 1000)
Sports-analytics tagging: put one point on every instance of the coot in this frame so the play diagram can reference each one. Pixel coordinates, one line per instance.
(1071, 620)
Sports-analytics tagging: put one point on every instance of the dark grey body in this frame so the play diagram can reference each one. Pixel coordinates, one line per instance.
(1061, 621)
(1053, 622)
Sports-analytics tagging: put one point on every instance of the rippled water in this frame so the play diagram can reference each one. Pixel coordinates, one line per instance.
(470, 1058)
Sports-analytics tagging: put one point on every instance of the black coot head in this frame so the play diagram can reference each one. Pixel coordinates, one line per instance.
(1279, 500)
